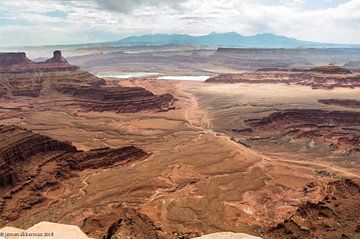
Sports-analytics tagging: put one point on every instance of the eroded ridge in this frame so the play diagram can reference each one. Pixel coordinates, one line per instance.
(334, 216)
(19, 63)
(32, 165)
(55, 77)
(327, 77)
(354, 104)
(337, 129)
(19, 76)
(119, 99)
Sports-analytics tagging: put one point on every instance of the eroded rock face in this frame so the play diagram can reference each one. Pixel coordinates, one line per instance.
(119, 99)
(327, 77)
(227, 235)
(19, 63)
(336, 216)
(8, 59)
(18, 145)
(20, 76)
(32, 164)
(132, 224)
(301, 116)
(337, 129)
(57, 58)
(331, 69)
(355, 104)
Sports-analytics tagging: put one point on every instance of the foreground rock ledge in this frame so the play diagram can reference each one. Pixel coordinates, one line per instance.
(227, 235)
(57, 231)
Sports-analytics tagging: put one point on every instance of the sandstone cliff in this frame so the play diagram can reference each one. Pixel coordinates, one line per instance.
(327, 77)
(336, 129)
(32, 164)
(355, 104)
(20, 77)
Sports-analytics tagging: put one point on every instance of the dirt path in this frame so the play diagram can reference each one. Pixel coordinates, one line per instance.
(204, 119)
(330, 167)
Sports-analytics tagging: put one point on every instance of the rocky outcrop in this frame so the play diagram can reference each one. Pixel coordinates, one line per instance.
(334, 216)
(308, 117)
(327, 77)
(31, 164)
(19, 76)
(22, 77)
(336, 129)
(19, 63)
(119, 99)
(227, 235)
(132, 224)
(8, 59)
(17, 146)
(355, 104)
(57, 58)
(331, 69)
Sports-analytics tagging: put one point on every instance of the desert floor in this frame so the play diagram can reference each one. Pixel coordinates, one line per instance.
(197, 179)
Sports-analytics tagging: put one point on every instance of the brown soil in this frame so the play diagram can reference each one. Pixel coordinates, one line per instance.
(198, 179)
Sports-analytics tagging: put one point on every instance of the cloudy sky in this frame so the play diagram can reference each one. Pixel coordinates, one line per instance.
(44, 22)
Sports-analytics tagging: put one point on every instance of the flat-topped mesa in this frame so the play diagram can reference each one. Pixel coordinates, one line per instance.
(57, 58)
(57, 77)
(20, 76)
(8, 59)
(327, 77)
(334, 129)
(19, 63)
(331, 69)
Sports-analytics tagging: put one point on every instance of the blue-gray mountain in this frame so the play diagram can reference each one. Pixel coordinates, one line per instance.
(231, 39)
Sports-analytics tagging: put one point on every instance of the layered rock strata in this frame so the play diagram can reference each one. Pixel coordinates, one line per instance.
(336, 129)
(327, 77)
(19, 76)
(32, 164)
(335, 216)
(355, 104)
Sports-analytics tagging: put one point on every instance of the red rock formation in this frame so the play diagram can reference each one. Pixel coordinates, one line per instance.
(56, 76)
(307, 116)
(337, 129)
(335, 216)
(130, 224)
(119, 99)
(31, 164)
(331, 69)
(19, 63)
(320, 77)
(355, 104)
(18, 145)
(57, 58)
(7, 59)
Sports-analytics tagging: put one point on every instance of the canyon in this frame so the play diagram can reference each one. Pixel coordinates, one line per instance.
(32, 165)
(55, 77)
(151, 158)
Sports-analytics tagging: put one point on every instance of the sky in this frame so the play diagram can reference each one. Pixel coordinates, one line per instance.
(52, 22)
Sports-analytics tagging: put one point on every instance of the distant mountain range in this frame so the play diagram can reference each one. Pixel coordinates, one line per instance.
(231, 39)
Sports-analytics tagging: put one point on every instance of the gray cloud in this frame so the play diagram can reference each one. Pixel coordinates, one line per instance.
(25, 21)
(127, 6)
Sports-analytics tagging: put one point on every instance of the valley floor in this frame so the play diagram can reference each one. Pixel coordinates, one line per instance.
(201, 177)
